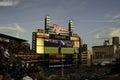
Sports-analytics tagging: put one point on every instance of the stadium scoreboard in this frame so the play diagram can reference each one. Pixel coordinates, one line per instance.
(46, 42)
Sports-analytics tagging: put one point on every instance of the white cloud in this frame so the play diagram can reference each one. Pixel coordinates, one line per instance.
(108, 33)
(12, 30)
(8, 2)
(99, 21)
(14, 27)
(112, 16)
(115, 32)
(19, 28)
(116, 16)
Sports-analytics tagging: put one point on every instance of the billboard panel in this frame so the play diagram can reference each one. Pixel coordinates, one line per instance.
(59, 37)
(58, 29)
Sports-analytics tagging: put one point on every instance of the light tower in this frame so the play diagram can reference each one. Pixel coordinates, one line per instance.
(47, 23)
(70, 27)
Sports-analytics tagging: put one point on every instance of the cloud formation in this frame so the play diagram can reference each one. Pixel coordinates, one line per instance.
(108, 33)
(100, 21)
(116, 16)
(112, 16)
(12, 29)
(8, 2)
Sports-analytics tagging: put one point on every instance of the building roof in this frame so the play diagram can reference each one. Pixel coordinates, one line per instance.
(11, 37)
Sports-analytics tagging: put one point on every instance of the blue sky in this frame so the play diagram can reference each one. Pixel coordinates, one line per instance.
(94, 20)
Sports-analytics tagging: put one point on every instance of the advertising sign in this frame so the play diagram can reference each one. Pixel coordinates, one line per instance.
(59, 37)
(58, 29)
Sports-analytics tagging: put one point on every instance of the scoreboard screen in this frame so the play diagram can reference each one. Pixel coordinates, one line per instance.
(51, 46)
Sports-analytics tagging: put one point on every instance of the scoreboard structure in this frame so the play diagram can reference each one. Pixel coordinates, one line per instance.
(38, 41)
(46, 42)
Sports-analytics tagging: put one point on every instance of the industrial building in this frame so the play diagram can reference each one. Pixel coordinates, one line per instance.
(106, 53)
